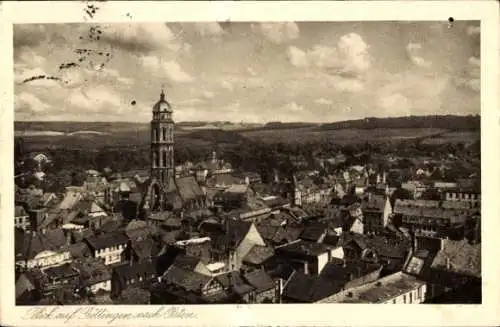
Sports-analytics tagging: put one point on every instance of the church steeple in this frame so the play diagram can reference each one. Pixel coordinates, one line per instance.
(162, 141)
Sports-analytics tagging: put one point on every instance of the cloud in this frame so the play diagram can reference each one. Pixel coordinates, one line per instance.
(208, 29)
(354, 52)
(278, 32)
(208, 94)
(414, 54)
(227, 85)
(297, 57)
(293, 107)
(473, 30)
(345, 64)
(347, 84)
(471, 77)
(323, 101)
(27, 103)
(96, 100)
(395, 105)
(29, 35)
(142, 37)
(251, 71)
(171, 69)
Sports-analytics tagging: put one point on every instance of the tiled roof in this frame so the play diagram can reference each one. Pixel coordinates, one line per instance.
(129, 270)
(258, 254)
(303, 248)
(306, 288)
(92, 271)
(188, 188)
(187, 279)
(463, 257)
(79, 250)
(28, 245)
(259, 279)
(145, 248)
(376, 292)
(107, 240)
(186, 262)
(313, 232)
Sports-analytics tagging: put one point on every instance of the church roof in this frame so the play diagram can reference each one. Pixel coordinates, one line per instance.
(162, 104)
(188, 188)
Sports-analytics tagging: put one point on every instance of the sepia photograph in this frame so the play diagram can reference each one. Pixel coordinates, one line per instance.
(245, 162)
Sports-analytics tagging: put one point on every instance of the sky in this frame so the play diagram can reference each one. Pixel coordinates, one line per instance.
(246, 72)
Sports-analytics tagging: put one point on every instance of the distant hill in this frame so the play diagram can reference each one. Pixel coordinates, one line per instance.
(450, 122)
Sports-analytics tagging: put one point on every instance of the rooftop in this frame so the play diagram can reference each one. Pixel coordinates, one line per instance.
(380, 291)
(304, 248)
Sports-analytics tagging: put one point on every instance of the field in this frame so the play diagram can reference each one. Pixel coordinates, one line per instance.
(78, 135)
(340, 136)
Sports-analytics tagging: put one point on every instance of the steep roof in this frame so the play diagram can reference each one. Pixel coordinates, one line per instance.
(28, 245)
(188, 188)
(259, 279)
(258, 254)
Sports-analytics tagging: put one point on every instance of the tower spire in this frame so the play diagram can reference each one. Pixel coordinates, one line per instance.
(162, 94)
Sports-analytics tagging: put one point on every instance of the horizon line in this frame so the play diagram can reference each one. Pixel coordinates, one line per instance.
(247, 122)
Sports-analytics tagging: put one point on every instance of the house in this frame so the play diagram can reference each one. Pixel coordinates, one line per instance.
(390, 251)
(314, 233)
(95, 277)
(21, 218)
(63, 276)
(108, 246)
(184, 286)
(446, 266)
(307, 257)
(232, 240)
(132, 274)
(199, 247)
(376, 213)
(465, 194)
(335, 277)
(44, 249)
(398, 288)
(141, 249)
(430, 218)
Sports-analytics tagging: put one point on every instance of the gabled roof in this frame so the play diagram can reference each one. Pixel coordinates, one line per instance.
(28, 245)
(259, 279)
(188, 188)
(258, 254)
(306, 288)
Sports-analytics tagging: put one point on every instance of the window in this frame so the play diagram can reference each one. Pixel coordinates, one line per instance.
(411, 297)
(404, 298)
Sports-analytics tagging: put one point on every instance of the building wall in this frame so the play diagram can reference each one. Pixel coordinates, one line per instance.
(54, 260)
(337, 253)
(322, 261)
(414, 296)
(104, 285)
(111, 255)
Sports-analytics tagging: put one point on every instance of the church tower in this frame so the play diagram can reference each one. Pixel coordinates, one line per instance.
(162, 142)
